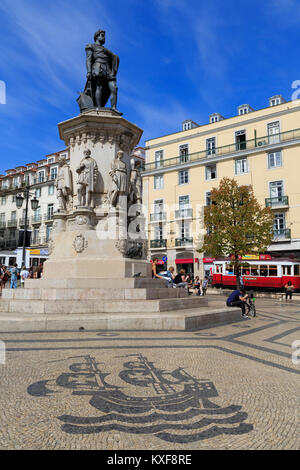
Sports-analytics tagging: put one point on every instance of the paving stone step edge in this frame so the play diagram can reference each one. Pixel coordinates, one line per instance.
(187, 321)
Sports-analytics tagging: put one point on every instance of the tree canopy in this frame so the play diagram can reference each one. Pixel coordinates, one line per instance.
(236, 224)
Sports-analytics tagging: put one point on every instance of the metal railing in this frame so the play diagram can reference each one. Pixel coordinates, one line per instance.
(258, 143)
(158, 217)
(12, 223)
(36, 219)
(274, 202)
(282, 234)
(183, 213)
(48, 216)
(2, 224)
(184, 241)
(158, 243)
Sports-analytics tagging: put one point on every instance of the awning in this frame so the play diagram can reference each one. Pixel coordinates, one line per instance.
(186, 261)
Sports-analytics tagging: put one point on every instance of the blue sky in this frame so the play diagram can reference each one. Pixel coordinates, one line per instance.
(179, 59)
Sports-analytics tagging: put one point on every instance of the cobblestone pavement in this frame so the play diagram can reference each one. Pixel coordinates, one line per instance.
(224, 387)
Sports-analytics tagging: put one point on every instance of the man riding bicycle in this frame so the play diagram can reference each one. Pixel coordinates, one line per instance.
(238, 299)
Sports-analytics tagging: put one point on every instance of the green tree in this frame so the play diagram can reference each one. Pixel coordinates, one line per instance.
(236, 224)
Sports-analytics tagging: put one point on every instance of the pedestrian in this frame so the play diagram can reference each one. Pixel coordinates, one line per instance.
(197, 285)
(289, 289)
(204, 285)
(180, 279)
(168, 276)
(14, 276)
(24, 275)
(30, 272)
(238, 299)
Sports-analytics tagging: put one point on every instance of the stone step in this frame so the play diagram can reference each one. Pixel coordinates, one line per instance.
(86, 283)
(188, 320)
(97, 306)
(93, 294)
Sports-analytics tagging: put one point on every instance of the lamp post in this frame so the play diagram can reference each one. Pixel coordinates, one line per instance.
(34, 205)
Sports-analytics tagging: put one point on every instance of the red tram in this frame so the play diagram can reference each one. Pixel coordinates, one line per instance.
(263, 273)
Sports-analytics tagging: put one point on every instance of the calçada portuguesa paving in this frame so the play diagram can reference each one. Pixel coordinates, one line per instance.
(230, 386)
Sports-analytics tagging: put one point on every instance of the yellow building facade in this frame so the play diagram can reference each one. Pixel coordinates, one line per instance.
(259, 148)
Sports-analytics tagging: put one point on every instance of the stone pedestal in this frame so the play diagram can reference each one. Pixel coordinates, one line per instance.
(90, 242)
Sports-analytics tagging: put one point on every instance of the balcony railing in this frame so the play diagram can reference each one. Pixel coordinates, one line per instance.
(48, 217)
(158, 243)
(36, 219)
(11, 244)
(183, 213)
(38, 241)
(282, 234)
(2, 224)
(12, 223)
(158, 217)
(184, 241)
(257, 143)
(275, 202)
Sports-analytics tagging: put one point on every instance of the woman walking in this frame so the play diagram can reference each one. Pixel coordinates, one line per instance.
(289, 289)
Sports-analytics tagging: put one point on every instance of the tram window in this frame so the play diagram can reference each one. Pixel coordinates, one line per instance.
(254, 270)
(228, 268)
(296, 269)
(272, 270)
(286, 270)
(264, 271)
(245, 271)
(219, 268)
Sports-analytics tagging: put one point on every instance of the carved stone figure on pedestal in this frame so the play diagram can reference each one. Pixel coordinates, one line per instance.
(119, 185)
(88, 174)
(135, 184)
(102, 68)
(63, 184)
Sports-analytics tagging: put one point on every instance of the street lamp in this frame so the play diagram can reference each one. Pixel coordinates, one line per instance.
(34, 205)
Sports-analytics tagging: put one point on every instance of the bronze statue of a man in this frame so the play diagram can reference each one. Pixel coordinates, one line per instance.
(102, 67)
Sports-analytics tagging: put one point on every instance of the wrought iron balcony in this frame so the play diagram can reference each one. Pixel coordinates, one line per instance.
(158, 243)
(184, 241)
(11, 244)
(36, 219)
(282, 234)
(48, 217)
(158, 217)
(259, 142)
(276, 202)
(2, 224)
(38, 241)
(183, 213)
(12, 223)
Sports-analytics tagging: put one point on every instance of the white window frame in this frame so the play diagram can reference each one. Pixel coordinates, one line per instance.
(211, 150)
(185, 157)
(161, 179)
(53, 190)
(159, 162)
(235, 166)
(51, 170)
(180, 183)
(275, 159)
(208, 172)
(184, 205)
(273, 138)
(273, 183)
